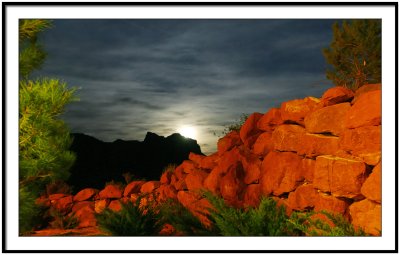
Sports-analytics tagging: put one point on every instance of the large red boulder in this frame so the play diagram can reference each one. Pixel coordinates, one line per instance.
(213, 180)
(63, 204)
(307, 169)
(111, 191)
(252, 195)
(340, 176)
(372, 187)
(166, 177)
(229, 141)
(57, 196)
(197, 205)
(270, 120)
(316, 144)
(337, 95)
(295, 111)
(251, 166)
(79, 205)
(115, 205)
(187, 166)
(366, 111)
(363, 142)
(133, 187)
(367, 215)
(209, 162)
(288, 138)
(280, 173)
(86, 217)
(231, 185)
(263, 144)
(85, 194)
(303, 197)
(150, 186)
(166, 192)
(329, 119)
(194, 180)
(249, 129)
(196, 158)
(366, 88)
(325, 202)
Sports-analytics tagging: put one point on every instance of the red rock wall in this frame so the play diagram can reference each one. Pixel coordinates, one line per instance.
(320, 154)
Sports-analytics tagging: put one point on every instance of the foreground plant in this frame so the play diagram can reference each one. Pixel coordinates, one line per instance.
(134, 219)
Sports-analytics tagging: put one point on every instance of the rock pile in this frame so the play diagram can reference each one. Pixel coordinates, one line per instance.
(309, 154)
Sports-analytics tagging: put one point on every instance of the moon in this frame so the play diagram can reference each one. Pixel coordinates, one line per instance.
(188, 132)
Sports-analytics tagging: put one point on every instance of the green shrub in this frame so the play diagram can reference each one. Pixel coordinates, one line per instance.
(169, 168)
(305, 222)
(266, 220)
(355, 53)
(132, 220)
(183, 221)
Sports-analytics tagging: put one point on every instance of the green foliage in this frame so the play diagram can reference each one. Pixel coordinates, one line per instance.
(31, 54)
(43, 138)
(183, 221)
(266, 220)
(133, 219)
(61, 221)
(355, 53)
(235, 126)
(305, 222)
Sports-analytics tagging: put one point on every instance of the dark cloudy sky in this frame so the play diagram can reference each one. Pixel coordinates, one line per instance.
(158, 75)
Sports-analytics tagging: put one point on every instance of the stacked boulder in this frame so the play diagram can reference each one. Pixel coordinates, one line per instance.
(309, 154)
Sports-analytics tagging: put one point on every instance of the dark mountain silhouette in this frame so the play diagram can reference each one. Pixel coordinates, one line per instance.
(98, 162)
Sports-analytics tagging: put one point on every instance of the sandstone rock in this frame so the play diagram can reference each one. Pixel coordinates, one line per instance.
(231, 185)
(63, 204)
(86, 217)
(372, 187)
(79, 205)
(263, 144)
(304, 197)
(295, 111)
(100, 205)
(166, 192)
(228, 159)
(307, 169)
(212, 181)
(209, 162)
(339, 176)
(178, 184)
(366, 111)
(194, 180)
(337, 95)
(180, 172)
(280, 173)
(252, 194)
(133, 187)
(364, 142)
(85, 194)
(366, 88)
(270, 119)
(229, 141)
(166, 177)
(56, 196)
(367, 215)
(315, 144)
(187, 166)
(149, 186)
(251, 166)
(249, 127)
(196, 158)
(325, 202)
(288, 138)
(111, 191)
(115, 205)
(329, 119)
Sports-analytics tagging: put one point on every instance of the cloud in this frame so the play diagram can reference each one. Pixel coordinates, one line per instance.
(155, 75)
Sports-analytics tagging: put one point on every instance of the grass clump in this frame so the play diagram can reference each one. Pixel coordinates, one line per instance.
(330, 225)
(266, 220)
(61, 221)
(134, 219)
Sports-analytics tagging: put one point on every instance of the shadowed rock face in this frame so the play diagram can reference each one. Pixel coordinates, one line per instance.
(99, 162)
